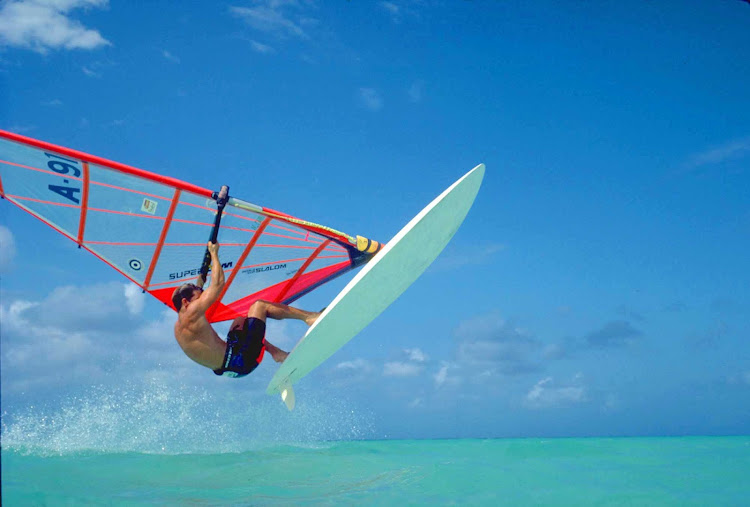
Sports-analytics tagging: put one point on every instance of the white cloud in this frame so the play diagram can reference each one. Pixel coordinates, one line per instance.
(11, 315)
(82, 335)
(393, 10)
(261, 48)
(731, 150)
(400, 11)
(41, 342)
(412, 367)
(416, 91)
(554, 351)
(169, 56)
(399, 369)
(741, 378)
(134, 298)
(274, 17)
(416, 402)
(416, 355)
(7, 248)
(361, 365)
(616, 333)
(90, 73)
(41, 25)
(97, 308)
(390, 7)
(443, 376)
(284, 333)
(611, 403)
(346, 374)
(370, 99)
(157, 332)
(544, 394)
(476, 256)
(488, 341)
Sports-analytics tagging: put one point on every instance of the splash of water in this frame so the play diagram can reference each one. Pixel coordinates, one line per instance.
(155, 417)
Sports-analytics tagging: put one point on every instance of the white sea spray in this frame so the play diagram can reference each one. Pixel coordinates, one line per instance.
(163, 418)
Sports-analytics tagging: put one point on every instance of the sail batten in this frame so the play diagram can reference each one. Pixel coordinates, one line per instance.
(153, 229)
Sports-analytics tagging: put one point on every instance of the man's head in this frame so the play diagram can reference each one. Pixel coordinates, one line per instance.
(184, 291)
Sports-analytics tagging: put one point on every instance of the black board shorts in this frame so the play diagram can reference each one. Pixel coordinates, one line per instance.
(245, 348)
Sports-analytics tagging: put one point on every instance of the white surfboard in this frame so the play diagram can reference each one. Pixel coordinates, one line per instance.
(380, 282)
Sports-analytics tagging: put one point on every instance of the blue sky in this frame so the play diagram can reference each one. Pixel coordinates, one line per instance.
(599, 285)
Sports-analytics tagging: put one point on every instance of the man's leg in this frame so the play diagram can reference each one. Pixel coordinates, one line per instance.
(237, 323)
(277, 354)
(278, 311)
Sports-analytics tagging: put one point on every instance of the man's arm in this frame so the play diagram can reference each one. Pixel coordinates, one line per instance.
(210, 295)
(201, 281)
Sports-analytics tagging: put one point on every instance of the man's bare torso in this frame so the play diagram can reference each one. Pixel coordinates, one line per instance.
(199, 341)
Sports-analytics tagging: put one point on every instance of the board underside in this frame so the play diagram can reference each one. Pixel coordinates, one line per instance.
(381, 281)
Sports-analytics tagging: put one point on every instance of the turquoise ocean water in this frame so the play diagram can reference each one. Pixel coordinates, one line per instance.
(166, 447)
(619, 471)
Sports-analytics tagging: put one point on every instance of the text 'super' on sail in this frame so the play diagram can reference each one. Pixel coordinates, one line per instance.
(153, 229)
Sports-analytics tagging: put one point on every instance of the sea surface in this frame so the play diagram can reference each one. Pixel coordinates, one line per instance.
(161, 444)
(565, 471)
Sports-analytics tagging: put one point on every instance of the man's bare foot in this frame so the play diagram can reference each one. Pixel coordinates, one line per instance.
(279, 355)
(312, 318)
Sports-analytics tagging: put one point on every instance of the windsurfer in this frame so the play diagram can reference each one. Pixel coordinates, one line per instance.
(246, 344)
